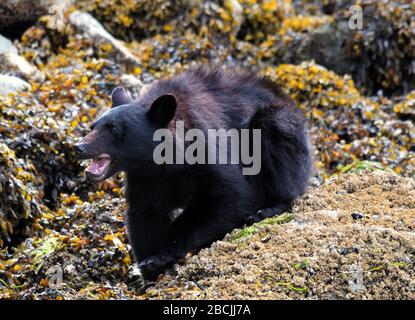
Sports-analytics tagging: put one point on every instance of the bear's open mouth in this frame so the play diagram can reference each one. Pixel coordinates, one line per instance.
(99, 166)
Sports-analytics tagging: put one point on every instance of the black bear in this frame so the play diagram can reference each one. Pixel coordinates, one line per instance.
(214, 198)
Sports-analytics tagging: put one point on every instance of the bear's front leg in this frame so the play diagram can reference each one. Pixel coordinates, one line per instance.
(202, 223)
(147, 232)
(151, 267)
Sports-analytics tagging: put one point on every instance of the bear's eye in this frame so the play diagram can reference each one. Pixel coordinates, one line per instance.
(113, 129)
(109, 127)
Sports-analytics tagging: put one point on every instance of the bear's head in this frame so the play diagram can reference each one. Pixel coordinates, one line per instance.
(121, 139)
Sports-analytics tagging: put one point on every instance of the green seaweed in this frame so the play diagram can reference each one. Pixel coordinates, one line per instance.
(302, 265)
(48, 245)
(394, 264)
(12, 286)
(287, 285)
(377, 268)
(358, 165)
(248, 231)
(399, 264)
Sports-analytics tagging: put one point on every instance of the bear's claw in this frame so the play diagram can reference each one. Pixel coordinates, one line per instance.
(153, 266)
(145, 263)
(254, 218)
(265, 213)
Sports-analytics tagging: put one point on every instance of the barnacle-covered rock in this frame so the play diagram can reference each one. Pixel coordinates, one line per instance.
(6, 45)
(13, 64)
(12, 84)
(93, 29)
(322, 252)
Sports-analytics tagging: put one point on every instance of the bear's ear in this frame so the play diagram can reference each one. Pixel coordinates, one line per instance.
(163, 109)
(119, 97)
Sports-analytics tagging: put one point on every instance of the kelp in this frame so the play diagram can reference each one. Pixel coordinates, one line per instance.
(50, 213)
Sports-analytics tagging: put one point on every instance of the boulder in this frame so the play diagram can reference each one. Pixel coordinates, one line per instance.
(10, 84)
(6, 45)
(319, 251)
(17, 15)
(13, 64)
(379, 56)
(87, 24)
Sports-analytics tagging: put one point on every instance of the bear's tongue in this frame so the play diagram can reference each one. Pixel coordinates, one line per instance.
(98, 166)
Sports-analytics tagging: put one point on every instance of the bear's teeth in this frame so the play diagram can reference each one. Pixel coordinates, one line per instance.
(98, 166)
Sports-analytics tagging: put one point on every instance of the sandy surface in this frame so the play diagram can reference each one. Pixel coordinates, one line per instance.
(352, 238)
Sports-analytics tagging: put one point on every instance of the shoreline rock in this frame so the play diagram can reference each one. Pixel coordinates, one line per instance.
(323, 253)
(6, 45)
(86, 23)
(15, 65)
(11, 84)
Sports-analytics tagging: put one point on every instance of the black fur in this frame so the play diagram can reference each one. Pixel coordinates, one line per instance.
(215, 198)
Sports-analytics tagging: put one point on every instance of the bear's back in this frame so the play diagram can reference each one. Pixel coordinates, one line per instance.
(212, 98)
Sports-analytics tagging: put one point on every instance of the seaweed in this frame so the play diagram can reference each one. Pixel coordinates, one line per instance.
(358, 100)
(248, 231)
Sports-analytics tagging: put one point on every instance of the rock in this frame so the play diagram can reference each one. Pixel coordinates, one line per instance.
(357, 215)
(131, 83)
(17, 15)
(323, 259)
(6, 45)
(13, 64)
(87, 24)
(378, 57)
(10, 84)
(326, 46)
